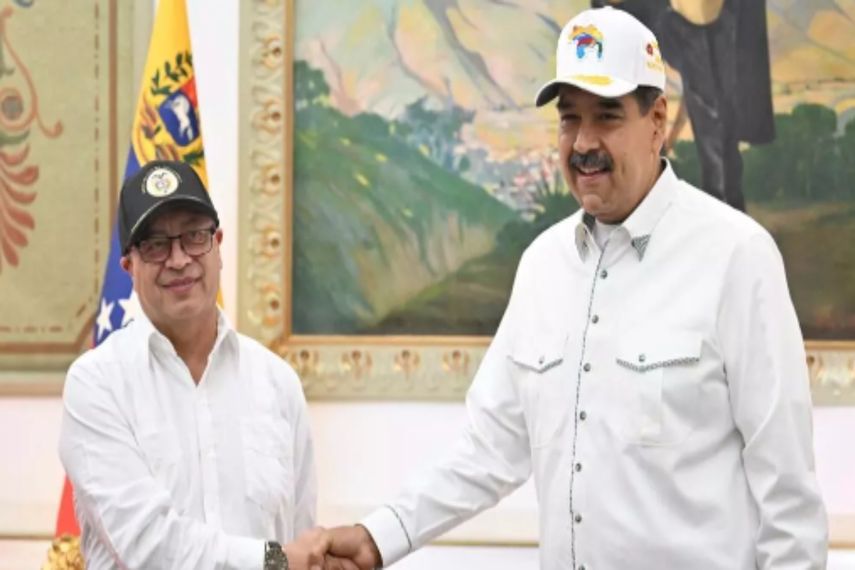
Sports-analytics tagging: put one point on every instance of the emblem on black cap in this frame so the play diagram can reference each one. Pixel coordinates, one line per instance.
(160, 182)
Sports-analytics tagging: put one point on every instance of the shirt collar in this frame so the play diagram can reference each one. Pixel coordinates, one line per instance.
(153, 339)
(641, 222)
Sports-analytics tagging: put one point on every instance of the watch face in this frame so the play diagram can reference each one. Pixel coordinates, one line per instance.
(274, 556)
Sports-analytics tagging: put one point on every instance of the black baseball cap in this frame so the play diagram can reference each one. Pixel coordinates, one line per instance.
(158, 186)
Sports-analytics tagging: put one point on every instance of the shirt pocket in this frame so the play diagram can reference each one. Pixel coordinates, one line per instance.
(268, 463)
(659, 382)
(545, 385)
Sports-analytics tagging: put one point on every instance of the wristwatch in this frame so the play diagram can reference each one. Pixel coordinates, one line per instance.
(274, 556)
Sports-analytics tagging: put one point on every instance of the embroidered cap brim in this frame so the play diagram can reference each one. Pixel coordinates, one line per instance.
(601, 85)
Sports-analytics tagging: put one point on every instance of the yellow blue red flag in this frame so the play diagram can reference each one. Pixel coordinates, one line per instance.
(166, 127)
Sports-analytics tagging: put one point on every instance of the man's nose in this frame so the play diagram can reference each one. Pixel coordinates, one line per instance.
(177, 256)
(586, 139)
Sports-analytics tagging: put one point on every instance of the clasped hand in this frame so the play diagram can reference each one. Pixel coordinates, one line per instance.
(340, 548)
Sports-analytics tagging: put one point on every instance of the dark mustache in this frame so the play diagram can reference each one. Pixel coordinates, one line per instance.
(591, 161)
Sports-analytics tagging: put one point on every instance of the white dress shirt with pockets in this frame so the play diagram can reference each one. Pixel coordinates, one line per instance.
(170, 474)
(656, 389)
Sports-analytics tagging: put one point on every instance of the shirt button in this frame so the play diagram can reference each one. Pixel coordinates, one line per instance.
(642, 357)
(578, 467)
(595, 319)
(583, 415)
(578, 519)
(604, 274)
(581, 567)
(540, 360)
(587, 367)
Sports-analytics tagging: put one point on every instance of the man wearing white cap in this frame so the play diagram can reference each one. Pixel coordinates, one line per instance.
(649, 371)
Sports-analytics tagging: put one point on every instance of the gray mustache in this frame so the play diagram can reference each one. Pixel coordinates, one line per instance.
(591, 160)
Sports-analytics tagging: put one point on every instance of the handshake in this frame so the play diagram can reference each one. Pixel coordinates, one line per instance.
(340, 548)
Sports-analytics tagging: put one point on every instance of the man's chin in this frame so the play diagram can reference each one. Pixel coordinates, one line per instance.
(593, 204)
(185, 309)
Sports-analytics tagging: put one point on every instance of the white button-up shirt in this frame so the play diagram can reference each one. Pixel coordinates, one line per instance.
(170, 474)
(656, 389)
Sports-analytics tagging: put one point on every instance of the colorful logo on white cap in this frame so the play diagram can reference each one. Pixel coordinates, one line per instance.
(587, 39)
(160, 182)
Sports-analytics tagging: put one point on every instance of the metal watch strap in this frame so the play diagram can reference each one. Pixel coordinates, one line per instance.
(274, 556)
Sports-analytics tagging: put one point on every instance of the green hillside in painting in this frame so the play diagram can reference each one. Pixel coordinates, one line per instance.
(473, 299)
(376, 221)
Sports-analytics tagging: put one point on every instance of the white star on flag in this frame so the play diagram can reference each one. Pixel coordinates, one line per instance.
(131, 307)
(103, 321)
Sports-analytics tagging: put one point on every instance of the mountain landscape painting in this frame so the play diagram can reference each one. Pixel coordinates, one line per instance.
(422, 169)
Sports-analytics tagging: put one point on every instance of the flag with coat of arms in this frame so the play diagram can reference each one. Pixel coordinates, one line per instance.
(166, 127)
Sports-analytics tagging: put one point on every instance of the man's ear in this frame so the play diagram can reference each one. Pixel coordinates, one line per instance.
(126, 263)
(659, 114)
(218, 235)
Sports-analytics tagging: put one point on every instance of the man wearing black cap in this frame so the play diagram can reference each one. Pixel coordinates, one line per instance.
(187, 443)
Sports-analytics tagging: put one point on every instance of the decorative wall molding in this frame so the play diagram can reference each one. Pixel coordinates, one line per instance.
(403, 368)
(265, 163)
(832, 373)
(67, 111)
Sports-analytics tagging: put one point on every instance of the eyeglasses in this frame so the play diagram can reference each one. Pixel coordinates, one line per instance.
(195, 243)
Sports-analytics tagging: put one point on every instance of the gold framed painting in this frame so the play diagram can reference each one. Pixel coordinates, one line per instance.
(393, 168)
(66, 92)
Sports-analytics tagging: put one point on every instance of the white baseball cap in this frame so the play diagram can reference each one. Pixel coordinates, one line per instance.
(606, 52)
